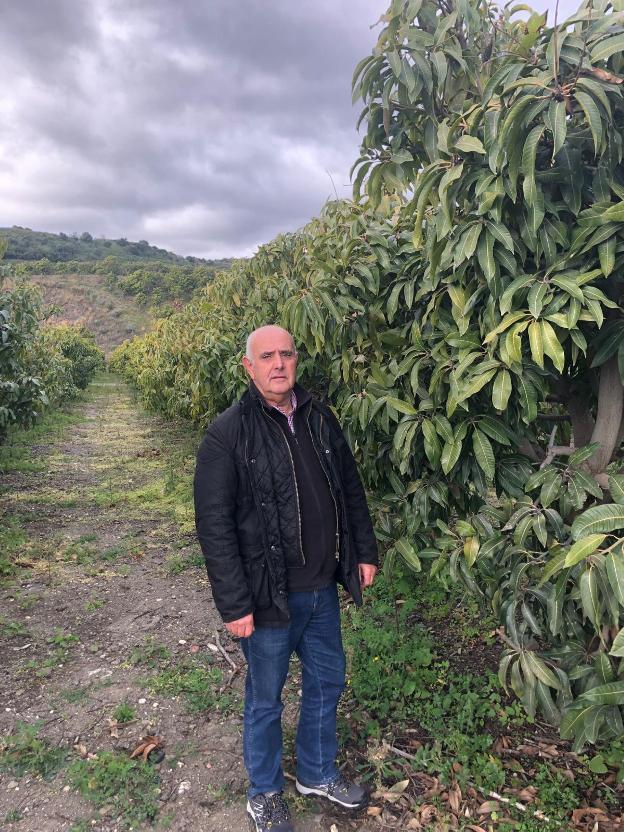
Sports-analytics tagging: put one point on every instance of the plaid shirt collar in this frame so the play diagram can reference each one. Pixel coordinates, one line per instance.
(289, 416)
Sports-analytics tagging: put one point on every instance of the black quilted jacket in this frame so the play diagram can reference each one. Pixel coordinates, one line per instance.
(246, 506)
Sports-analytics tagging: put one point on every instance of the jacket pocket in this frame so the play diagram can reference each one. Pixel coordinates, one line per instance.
(260, 585)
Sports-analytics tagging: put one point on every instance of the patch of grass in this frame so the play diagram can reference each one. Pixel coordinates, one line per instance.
(75, 695)
(23, 752)
(129, 787)
(198, 683)
(94, 604)
(12, 540)
(124, 712)
(79, 552)
(13, 816)
(16, 453)
(62, 639)
(150, 654)
(12, 629)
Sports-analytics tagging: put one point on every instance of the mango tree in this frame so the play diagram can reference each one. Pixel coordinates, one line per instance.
(505, 140)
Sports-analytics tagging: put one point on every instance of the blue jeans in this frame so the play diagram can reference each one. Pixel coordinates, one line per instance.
(314, 635)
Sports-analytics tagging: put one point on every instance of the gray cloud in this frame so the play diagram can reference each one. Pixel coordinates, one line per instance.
(204, 127)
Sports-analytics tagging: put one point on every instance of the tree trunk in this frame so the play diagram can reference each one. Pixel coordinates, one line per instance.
(608, 416)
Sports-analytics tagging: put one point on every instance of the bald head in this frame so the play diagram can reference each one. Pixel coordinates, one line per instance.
(271, 363)
(264, 332)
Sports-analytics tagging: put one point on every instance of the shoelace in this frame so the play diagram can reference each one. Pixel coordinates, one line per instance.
(338, 785)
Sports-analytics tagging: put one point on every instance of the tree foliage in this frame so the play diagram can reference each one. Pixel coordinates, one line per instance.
(464, 318)
(40, 365)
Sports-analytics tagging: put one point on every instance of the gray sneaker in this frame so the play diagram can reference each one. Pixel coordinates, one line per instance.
(269, 813)
(339, 791)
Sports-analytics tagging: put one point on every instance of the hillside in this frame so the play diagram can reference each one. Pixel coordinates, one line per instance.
(25, 244)
(109, 314)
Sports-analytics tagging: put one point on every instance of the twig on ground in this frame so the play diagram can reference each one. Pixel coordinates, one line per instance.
(223, 652)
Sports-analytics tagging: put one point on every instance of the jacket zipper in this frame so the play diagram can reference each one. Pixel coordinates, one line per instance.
(292, 464)
(326, 477)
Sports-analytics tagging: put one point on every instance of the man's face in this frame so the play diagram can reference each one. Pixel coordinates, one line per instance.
(273, 368)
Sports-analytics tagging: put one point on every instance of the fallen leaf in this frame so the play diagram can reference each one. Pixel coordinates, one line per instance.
(428, 813)
(374, 810)
(146, 746)
(487, 807)
(194, 648)
(414, 824)
(454, 797)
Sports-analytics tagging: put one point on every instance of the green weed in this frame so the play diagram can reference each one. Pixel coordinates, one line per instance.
(129, 787)
(75, 695)
(25, 753)
(12, 629)
(198, 683)
(62, 639)
(150, 654)
(124, 712)
(94, 604)
(13, 816)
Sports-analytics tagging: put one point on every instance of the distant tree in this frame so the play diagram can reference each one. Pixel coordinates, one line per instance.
(86, 237)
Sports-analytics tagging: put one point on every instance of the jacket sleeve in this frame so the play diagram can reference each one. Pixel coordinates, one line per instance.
(215, 487)
(360, 524)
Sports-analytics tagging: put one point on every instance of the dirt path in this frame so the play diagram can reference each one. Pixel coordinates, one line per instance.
(111, 608)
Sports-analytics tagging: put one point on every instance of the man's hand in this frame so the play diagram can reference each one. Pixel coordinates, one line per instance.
(242, 627)
(367, 574)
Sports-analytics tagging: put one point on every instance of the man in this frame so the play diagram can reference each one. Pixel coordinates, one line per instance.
(281, 516)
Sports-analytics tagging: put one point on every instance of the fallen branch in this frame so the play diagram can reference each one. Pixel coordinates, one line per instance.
(223, 652)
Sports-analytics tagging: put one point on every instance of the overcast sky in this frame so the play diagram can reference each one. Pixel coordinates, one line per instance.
(204, 126)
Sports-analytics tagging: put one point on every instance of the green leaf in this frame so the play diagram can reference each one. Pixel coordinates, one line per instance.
(606, 255)
(476, 383)
(615, 573)
(528, 154)
(616, 487)
(557, 113)
(528, 399)
(450, 454)
(541, 670)
(408, 553)
(607, 47)
(592, 116)
(605, 518)
(469, 144)
(554, 565)
(552, 347)
(501, 389)
(582, 548)
(433, 449)
(588, 585)
(495, 429)
(484, 453)
(617, 648)
(610, 694)
(401, 406)
(536, 343)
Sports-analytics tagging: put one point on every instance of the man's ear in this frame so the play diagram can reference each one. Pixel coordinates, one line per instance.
(248, 365)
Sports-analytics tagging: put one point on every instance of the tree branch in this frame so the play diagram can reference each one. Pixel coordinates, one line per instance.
(608, 416)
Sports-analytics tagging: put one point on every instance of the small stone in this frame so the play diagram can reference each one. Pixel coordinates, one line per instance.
(142, 701)
(65, 788)
(184, 786)
(12, 784)
(182, 641)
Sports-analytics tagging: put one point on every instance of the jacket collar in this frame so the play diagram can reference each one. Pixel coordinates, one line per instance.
(253, 398)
